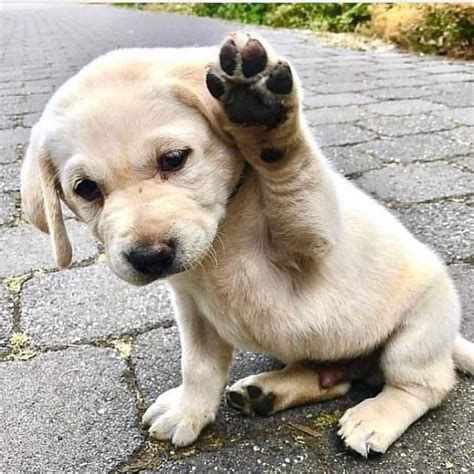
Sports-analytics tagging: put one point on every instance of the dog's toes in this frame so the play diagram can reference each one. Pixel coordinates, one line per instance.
(251, 400)
(280, 80)
(254, 58)
(215, 84)
(228, 57)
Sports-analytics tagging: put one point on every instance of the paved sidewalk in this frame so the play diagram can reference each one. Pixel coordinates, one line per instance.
(82, 353)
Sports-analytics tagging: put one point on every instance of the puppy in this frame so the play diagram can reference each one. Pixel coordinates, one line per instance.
(197, 165)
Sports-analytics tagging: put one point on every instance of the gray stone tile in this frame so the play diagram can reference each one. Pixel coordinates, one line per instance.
(424, 147)
(462, 135)
(9, 154)
(156, 356)
(448, 227)
(452, 77)
(462, 115)
(443, 68)
(84, 304)
(9, 177)
(332, 115)
(340, 134)
(14, 136)
(67, 411)
(7, 121)
(29, 120)
(466, 162)
(7, 208)
(406, 125)
(454, 95)
(24, 248)
(463, 276)
(345, 86)
(336, 100)
(6, 318)
(398, 93)
(351, 159)
(403, 107)
(416, 182)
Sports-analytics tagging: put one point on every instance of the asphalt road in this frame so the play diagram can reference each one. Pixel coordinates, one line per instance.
(82, 354)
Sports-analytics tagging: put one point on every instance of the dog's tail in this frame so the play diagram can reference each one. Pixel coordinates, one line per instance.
(464, 355)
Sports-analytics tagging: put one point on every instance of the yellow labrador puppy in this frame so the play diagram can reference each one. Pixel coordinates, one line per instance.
(196, 165)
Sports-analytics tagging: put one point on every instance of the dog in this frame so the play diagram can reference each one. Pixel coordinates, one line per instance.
(196, 165)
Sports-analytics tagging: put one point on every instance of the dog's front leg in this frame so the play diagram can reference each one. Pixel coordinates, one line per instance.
(261, 97)
(182, 412)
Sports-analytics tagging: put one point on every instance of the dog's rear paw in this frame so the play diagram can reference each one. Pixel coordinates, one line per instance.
(250, 400)
(254, 86)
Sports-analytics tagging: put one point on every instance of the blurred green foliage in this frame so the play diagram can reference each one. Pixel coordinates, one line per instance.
(426, 27)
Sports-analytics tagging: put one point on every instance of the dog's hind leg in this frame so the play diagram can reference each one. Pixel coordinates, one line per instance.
(418, 366)
(269, 392)
(261, 97)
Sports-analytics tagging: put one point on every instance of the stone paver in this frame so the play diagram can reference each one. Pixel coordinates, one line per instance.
(400, 124)
(351, 160)
(407, 125)
(426, 181)
(463, 276)
(9, 154)
(341, 134)
(67, 411)
(423, 147)
(9, 177)
(7, 208)
(100, 307)
(335, 100)
(6, 318)
(403, 107)
(23, 248)
(447, 226)
(461, 115)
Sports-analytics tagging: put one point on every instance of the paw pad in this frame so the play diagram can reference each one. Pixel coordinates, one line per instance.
(252, 401)
(254, 89)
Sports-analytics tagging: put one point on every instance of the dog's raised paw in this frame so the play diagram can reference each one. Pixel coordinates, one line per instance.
(251, 400)
(254, 86)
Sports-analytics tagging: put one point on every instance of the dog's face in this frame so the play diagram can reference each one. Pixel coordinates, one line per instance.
(142, 168)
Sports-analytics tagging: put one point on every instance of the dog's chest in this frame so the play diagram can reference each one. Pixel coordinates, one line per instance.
(251, 303)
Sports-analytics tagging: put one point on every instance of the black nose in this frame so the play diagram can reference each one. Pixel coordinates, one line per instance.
(152, 260)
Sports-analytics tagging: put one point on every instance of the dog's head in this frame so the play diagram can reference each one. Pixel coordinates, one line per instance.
(136, 152)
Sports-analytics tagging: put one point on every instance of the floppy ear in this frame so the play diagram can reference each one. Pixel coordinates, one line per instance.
(197, 96)
(40, 200)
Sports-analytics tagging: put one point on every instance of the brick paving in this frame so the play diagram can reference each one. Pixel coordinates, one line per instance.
(82, 354)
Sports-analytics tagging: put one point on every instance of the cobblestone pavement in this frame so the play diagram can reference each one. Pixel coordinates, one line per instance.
(96, 354)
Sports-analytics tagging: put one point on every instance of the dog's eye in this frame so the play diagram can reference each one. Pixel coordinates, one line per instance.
(174, 160)
(88, 190)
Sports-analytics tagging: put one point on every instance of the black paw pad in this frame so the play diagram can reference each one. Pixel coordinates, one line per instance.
(254, 392)
(214, 85)
(236, 400)
(264, 406)
(280, 80)
(248, 107)
(254, 58)
(271, 155)
(228, 57)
